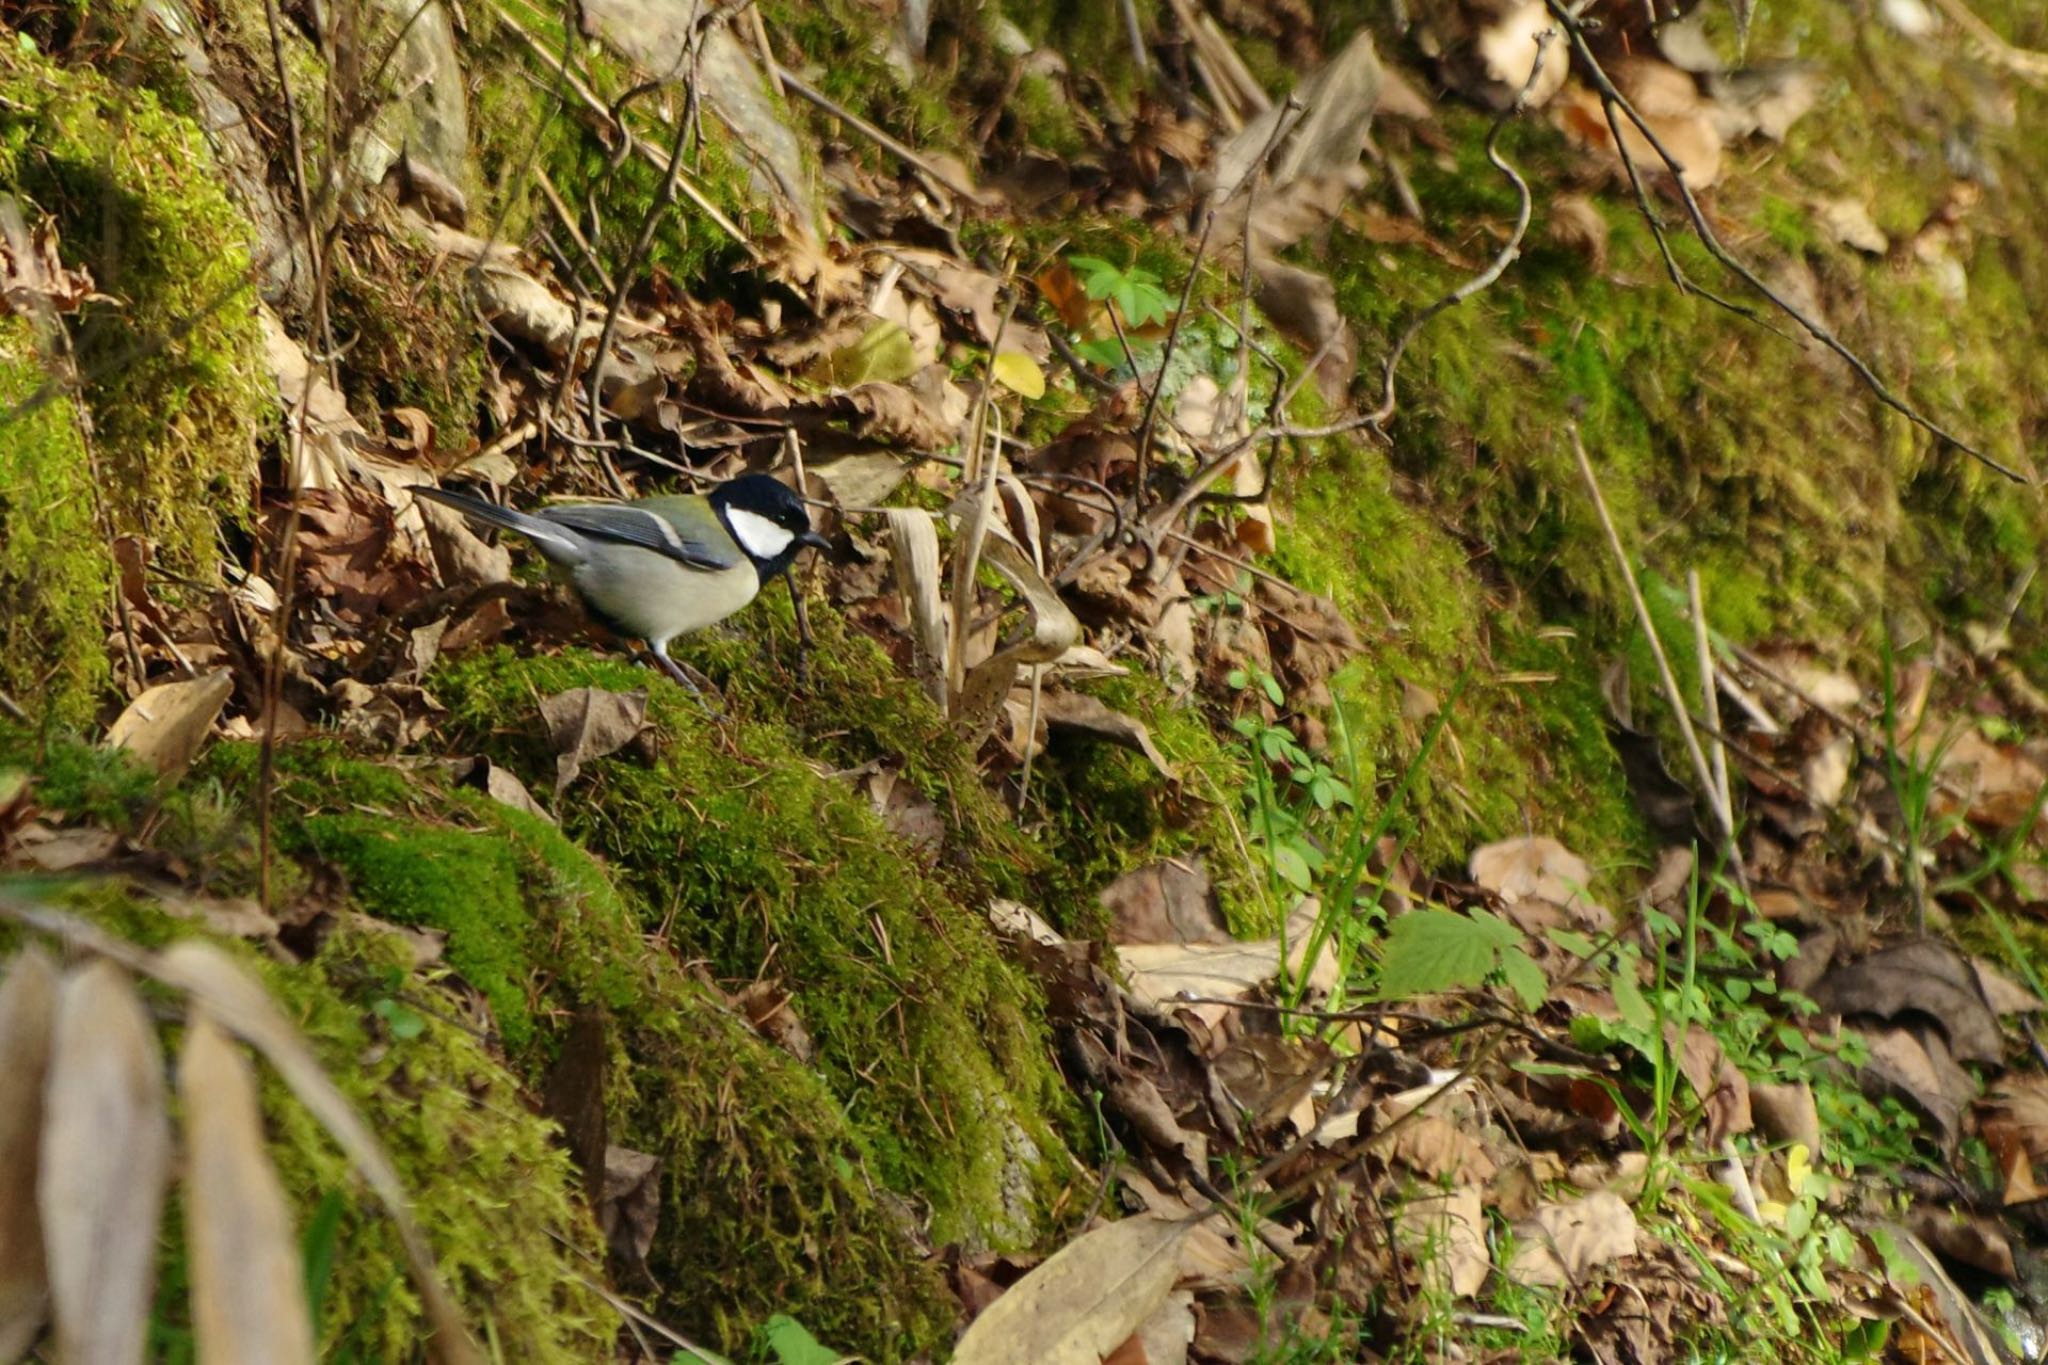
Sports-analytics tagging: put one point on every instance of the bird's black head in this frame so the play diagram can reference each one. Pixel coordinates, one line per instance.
(767, 519)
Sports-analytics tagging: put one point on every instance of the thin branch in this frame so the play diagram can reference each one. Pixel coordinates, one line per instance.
(1187, 293)
(900, 150)
(664, 199)
(1702, 772)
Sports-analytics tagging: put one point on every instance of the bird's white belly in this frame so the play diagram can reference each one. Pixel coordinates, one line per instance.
(665, 598)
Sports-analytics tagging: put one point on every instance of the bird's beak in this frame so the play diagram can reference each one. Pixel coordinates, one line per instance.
(814, 540)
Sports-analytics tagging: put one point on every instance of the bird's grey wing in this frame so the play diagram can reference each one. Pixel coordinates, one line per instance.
(629, 525)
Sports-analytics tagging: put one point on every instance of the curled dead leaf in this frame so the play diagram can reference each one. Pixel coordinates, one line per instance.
(1080, 1304)
(106, 1158)
(248, 1279)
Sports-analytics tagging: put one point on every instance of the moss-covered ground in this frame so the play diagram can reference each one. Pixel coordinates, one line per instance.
(717, 852)
(165, 359)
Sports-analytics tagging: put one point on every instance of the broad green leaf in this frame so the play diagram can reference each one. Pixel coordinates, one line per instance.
(1524, 977)
(1019, 373)
(1292, 867)
(1629, 1000)
(1573, 942)
(1435, 950)
(1107, 351)
(793, 1343)
(885, 353)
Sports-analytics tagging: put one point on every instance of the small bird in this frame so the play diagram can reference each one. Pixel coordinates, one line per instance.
(657, 568)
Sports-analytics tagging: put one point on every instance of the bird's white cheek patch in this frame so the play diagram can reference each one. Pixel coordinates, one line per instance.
(762, 538)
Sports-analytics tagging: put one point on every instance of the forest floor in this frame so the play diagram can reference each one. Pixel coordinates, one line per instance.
(1421, 737)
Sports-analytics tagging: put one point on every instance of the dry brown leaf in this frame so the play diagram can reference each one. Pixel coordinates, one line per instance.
(587, 723)
(2001, 783)
(106, 1157)
(1079, 713)
(2001, 993)
(890, 413)
(1925, 977)
(501, 785)
(1786, 1112)
(1576, 224)
(1164, 1338)
(248, 1279)
(1916, 1066)
(1722, 1088)
(1508, 47)
(1692, 137)
(240, 1003)
(1970, 1239)
(1159, 972)
(1444, 1237)
(28, 1005)
(1435, 1147)
(166, 726)
(1054, 630)
(629, 1209)
(1540, 868)
(1164, 902)
(61, 850)
(1560, 1243)
(1090, 1296)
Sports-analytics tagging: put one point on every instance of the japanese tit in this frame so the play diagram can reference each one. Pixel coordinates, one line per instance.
(662, 567)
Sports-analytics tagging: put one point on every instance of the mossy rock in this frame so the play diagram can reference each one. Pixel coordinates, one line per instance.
(736, 851)
(56, 569)
(171, 359)
(492, 1189)
(772, 1196)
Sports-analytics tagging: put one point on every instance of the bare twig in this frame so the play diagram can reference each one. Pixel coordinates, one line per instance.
(1504, 258)
(899, 150)
(1187, 292)
(1702, 772)
(657, 209)
(687, 187)
(1710, 697)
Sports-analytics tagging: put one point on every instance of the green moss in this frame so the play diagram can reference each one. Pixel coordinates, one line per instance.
(1043, 117)
(55, 569)
(172, 361)
(842, 47)
(522, 131)
(1093, 38)
(769, 1188)
(745, 857)
(1111, 812)
(494, 1195)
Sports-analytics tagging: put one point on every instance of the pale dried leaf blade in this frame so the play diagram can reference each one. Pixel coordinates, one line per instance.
(1054, 630)
(166, 725)
(106, 1157)
(1080, 1304)
(240, 1003)
(248, 1282)
(28, 1006)
(916, 564)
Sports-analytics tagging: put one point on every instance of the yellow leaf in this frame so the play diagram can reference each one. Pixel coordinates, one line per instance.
(1019, 372)
(1798, 1166)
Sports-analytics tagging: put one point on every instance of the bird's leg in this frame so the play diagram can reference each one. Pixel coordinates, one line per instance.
(804, 642)
(681, 673)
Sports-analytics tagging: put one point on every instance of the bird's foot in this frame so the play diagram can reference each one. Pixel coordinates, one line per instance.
(701, 688)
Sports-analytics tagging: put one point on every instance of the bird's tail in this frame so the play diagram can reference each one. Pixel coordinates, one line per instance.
(551, 540)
